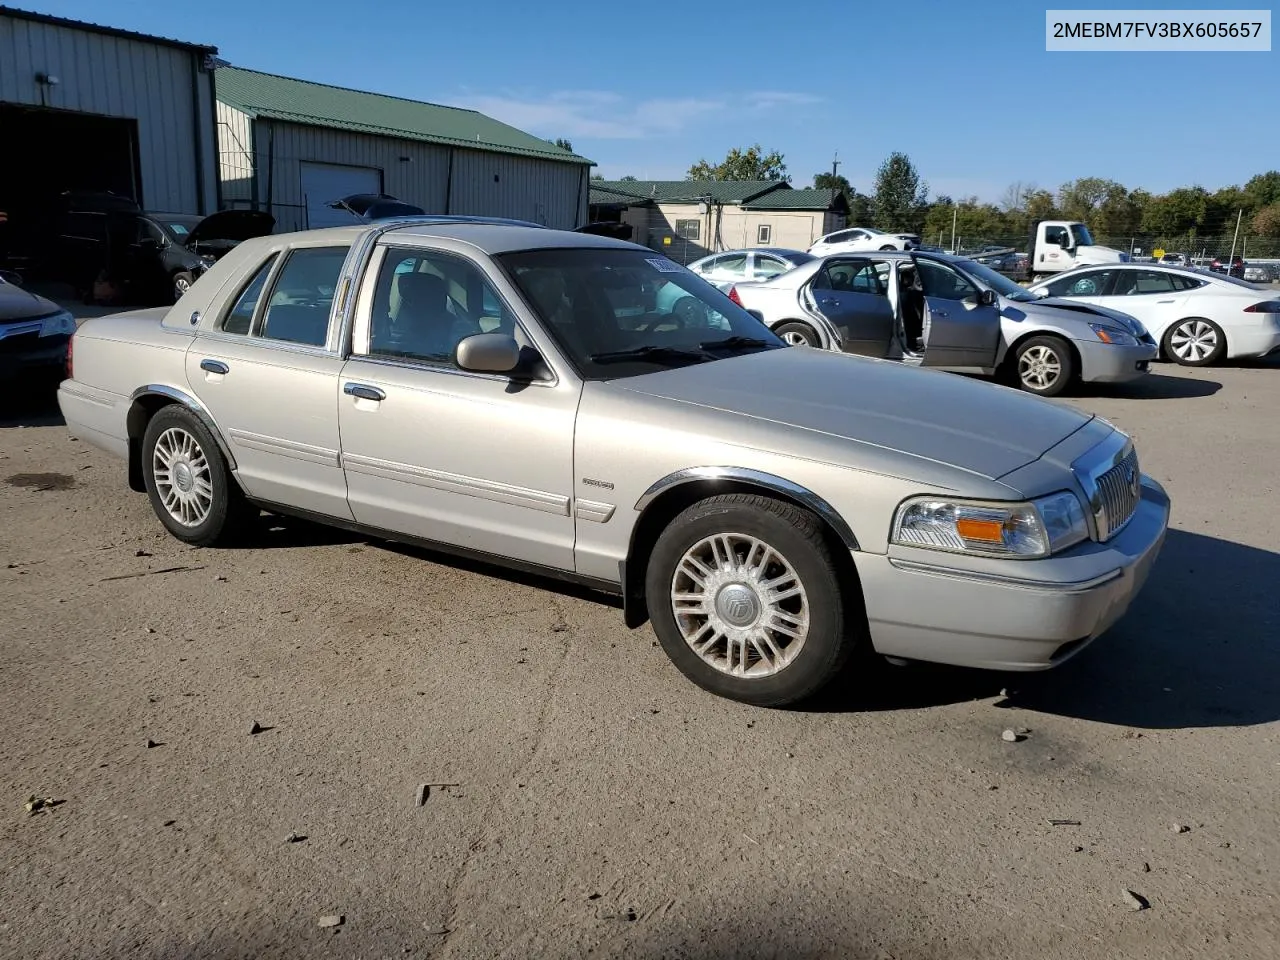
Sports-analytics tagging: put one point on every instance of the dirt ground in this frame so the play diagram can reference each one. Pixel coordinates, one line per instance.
(584, 799)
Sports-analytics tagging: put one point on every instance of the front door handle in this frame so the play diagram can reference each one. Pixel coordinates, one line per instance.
(214, 366)
(363, 391)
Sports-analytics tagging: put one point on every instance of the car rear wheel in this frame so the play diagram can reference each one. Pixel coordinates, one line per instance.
(1044, 365)
(745, 599)
(182, 281)
(888, 246)
(1195, 342)
(797, 334)
(188, 481)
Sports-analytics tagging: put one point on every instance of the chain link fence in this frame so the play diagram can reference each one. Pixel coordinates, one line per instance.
(1199, 249)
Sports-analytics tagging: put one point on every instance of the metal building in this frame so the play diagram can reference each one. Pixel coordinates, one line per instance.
(87, 108)
(291, 147)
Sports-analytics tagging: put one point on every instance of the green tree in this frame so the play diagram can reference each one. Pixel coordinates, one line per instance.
(1179, 213)
(1079, 199)
(1039, 205)
(860, 209)
(597, 176)
(1262, 190)
(628, 179)
(749, 164)
(563, 144)
(900, 198)
(1266, 222)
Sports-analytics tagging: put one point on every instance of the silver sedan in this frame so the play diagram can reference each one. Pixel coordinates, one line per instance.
(723, 270)
(937, 310)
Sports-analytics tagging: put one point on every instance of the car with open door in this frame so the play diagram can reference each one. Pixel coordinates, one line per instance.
(936, 310)
(538, 399)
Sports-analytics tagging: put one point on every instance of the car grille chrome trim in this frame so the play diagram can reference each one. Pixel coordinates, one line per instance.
(1112, 482)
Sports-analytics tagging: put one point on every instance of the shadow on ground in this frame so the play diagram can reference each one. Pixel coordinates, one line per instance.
(1200, 647)
(1154, 386)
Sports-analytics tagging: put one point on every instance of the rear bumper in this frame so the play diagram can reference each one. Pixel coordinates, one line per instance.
(1255, 339)
(929, 611)
(95, 416)
(1106, 363)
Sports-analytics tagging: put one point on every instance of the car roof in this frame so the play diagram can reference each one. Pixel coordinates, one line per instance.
(497, 237)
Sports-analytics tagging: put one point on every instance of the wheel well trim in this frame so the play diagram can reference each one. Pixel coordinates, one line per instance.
(192, 404)
(1006, 354)
(755, 478)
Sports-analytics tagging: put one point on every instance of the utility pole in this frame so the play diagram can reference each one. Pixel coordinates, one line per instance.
(1234, 238)
(955, 213)
(835, 165)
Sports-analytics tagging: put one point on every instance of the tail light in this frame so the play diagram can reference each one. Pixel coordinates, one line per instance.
(733, 295)
(71, 343)
(1267, 306)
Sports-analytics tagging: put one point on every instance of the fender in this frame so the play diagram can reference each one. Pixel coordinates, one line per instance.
(188, 401)
(756, 478)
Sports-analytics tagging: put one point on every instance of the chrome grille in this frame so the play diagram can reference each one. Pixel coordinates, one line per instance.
(1117, 495)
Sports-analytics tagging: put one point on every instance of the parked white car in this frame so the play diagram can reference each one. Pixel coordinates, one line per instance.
(861, 239)
(1198, 318)
(723, 270)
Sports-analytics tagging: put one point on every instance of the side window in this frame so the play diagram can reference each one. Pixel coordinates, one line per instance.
(1056, 235)
(841, 275)
(841, 236)
(1185, 283)
(426, 302)
(1090, 284)
(1152, 281)
(944, 283)
(768, 267)
(240, 317)
(764, 233)
(302, 298)
(872, 278)
(734, 264)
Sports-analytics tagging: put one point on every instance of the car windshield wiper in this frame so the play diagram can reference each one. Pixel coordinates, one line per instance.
(733, 343)
(650, 354)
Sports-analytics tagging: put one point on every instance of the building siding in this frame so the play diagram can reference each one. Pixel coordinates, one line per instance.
(235, 157)
(165, 89)
(501, 185)
(726, 227)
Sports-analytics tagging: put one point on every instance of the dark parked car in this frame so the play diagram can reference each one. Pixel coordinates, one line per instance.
(1236, 269)
(34, 333)
(376, 206)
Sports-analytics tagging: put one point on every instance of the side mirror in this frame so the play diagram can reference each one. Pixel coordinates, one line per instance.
(987, 298)
(1042, 293)
(488, 353)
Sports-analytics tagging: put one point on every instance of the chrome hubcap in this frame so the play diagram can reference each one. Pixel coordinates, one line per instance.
(1193, 340)
(795, 339)
(740, 605)
(1039, 367)
(183, 478)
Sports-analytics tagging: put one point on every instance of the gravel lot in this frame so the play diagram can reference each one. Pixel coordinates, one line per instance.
(585, 798)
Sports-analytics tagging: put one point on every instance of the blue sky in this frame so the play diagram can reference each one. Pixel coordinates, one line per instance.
(965, 88)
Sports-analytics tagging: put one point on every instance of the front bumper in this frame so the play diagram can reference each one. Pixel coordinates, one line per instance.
(29, 353)
(1106, 363)
(1010, 615)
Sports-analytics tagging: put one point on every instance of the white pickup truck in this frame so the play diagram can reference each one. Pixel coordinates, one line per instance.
(1058, 245)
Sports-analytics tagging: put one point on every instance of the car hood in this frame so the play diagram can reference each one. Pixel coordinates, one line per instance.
(234, 225)
(941, 417)
(1081, 310)
(18, 304)
(1097, 254)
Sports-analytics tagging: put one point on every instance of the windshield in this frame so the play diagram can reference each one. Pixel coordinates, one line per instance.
(179, 227)
(998, 282)
(798, 259)
(1082, 235)
(621, 313)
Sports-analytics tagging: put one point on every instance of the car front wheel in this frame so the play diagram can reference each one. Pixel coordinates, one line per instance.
(1195, 342)
(188, 481)
(745, 599)
(182, 281)
(1044, 366)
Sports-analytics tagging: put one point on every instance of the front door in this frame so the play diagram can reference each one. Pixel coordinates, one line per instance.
(1155, 297)
(478, 461)
(268, 377)
(853, 294)
(958, 330)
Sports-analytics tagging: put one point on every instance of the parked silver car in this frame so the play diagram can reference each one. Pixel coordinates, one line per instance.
(723, 270)
(518, 394)
(937, 310)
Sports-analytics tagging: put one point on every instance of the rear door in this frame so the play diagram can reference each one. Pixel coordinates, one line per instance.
(766, 266)
(958, 331)
(853, 294)
(1155, 297)
(268, 374)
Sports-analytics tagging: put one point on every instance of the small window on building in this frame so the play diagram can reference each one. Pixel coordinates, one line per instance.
(687, 229)
(764, 233)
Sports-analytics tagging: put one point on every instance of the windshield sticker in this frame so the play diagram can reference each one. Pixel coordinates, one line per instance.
(663, 265)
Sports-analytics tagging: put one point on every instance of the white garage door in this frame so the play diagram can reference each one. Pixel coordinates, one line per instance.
(324, 182)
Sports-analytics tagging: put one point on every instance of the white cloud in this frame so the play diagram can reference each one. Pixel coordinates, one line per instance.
(604, 115)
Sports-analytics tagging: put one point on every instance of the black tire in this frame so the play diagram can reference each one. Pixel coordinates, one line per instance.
(798, 330)
(1029, 376)
(795, 536)
(228, 514)
(182, 281)
(888, 246)
(1198, 331)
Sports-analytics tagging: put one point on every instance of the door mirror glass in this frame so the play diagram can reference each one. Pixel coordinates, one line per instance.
(986, 298)
(488, 353)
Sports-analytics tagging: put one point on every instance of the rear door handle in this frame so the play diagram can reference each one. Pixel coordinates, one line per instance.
(1164, 301)
(940, 313)
(214, 366)
(363, 391)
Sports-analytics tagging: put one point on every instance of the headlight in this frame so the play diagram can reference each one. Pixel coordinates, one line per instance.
(1113, 335)
(1017, 530)
(60, 324)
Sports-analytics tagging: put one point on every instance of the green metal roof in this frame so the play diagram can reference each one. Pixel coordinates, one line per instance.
(688, 191)
(317, 104)
(795, 200)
